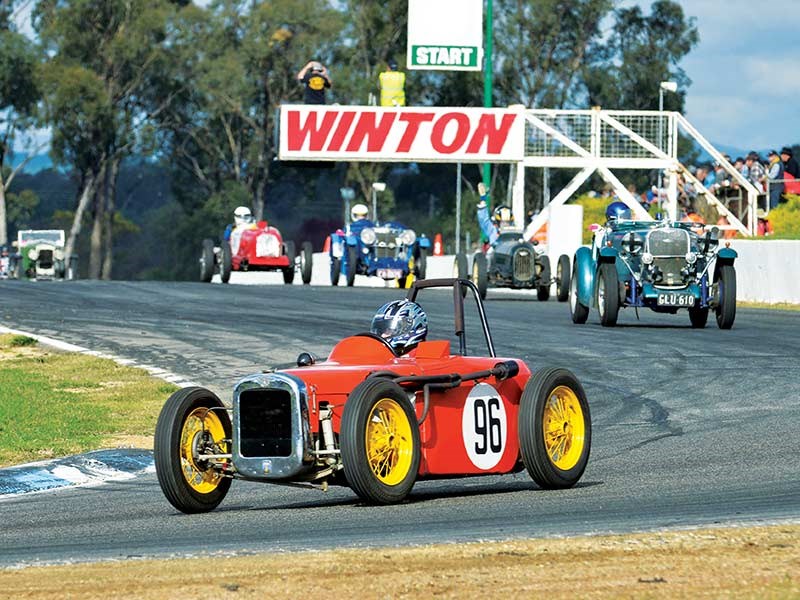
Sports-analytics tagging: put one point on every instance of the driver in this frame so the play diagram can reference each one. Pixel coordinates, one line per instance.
(242, 217)
(617, 210)
(500, 220)
(358, 215)
(402, 323)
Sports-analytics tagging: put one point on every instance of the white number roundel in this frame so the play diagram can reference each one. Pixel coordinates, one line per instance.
(484, 426)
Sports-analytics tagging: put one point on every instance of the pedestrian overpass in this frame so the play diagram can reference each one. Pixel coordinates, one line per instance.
(586, 141)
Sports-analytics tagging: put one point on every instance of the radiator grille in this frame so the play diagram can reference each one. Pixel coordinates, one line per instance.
(668, 242)
(386, 245)
(265, 423)
(524, 265)
(45, 260)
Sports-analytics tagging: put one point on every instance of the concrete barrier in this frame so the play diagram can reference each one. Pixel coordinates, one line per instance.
(766, 271)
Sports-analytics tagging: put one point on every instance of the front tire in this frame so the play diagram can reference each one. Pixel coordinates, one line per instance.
(306, 262)
(336, 270)
(555, 428)
(352, 265)
(543, 289)
(607, 294)
(380, 443)
(193, 421)
(578, 311)
(226, 263)
(698, 316)
(726, 291)
(421, 264)
(562, 278)
(207, 261)
(461, 266)
(288, 272)
(479, 275)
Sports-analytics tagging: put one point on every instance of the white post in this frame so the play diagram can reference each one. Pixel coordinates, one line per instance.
(458, 208)
(518, 197)
(374, 206)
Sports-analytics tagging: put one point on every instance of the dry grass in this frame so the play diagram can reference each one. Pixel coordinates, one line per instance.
(761, 562)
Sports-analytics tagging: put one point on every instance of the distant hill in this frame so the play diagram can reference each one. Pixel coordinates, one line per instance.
(731, 151)
(40, 162)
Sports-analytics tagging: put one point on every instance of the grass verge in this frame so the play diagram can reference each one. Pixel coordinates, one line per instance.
(55, 403)
(760, 562)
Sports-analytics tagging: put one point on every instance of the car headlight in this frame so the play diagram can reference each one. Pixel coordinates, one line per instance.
(691, 257)
(647, 258)
(368, 236)
(408, 237)
(33, 254)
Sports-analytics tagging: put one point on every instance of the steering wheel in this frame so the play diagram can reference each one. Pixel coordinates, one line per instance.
(375, 336)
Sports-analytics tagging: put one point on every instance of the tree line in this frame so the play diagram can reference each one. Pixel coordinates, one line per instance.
(194, 91)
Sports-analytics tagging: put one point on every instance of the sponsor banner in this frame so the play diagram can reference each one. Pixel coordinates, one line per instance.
(418, 134)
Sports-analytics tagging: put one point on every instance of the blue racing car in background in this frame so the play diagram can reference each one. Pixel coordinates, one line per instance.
(386, 250)
(661, 265)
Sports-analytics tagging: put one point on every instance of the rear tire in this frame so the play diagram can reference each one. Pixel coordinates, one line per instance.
(306, 262)
(352, 265)
(380, 442)
(185, 427)
(336, 270)
(555, 428)
(726, 291)
(543, 287)
(607, 294)
(479, 275)
(562, 278)
(226, 263)
(207, 261)
(578, 311)
(288, 272)
(421, 263)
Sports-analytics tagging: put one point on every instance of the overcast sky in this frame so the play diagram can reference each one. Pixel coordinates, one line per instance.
(745, 71)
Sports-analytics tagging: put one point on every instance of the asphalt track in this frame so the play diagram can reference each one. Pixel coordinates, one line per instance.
(690, 427)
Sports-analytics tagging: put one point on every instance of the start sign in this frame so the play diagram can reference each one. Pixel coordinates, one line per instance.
(405, 134)
(445, 34)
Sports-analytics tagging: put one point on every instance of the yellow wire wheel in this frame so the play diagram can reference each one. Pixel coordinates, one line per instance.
(388, 442)
(192, 422)
(202, 426)
(379, 441)
(564, 428)
(555, 428)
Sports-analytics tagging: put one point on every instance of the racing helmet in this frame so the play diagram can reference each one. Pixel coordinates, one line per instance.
(618, 210)
(242, 215)
(402, 323)
(358, 212)
(502, 215)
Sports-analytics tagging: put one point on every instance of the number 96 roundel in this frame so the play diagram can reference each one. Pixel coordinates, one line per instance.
(484, 426)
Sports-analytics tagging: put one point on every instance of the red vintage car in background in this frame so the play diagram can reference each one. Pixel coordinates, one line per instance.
(377, 421)
(254, 246)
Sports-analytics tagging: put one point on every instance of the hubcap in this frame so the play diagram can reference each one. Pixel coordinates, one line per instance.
(200, 429)
(564, 428)
(389, 442)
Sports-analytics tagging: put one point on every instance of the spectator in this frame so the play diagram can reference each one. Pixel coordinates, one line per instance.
(764, 226)
(755, 171)
(314, 76)
(775, 174)
(392, 83)
(791, 171)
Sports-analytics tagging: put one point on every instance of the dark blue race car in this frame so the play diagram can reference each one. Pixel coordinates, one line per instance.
(386, 250)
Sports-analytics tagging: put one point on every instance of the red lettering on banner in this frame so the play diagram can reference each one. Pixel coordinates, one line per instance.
(297, 135)
(462, 132)
(374, 134)
(495, 137)
(341, 131)
(414, 120)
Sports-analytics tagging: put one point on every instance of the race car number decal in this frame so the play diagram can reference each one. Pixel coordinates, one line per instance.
(484, 426)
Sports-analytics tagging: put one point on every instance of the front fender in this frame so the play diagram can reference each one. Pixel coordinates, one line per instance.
(608, 254)
(424, 242)
(352, 240)
(726, 256)
(584, 275)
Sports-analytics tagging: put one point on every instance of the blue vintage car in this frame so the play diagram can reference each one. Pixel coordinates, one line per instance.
(386, 250)
(661, 265)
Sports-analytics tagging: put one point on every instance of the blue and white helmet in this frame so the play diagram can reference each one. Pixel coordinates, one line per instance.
(402, 323)
(618, 210)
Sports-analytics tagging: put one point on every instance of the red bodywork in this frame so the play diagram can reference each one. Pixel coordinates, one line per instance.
(257, 247)
(444, 433)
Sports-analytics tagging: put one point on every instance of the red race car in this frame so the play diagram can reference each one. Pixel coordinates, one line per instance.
(254, 246)
(378, 415)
